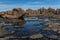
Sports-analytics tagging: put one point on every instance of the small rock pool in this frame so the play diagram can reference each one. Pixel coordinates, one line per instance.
(29, 28)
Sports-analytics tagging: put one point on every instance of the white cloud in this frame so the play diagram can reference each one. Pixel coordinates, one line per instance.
(36, 2)
(5, 7)
(39, 6)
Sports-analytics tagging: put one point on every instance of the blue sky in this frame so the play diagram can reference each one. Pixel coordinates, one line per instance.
(25, 4)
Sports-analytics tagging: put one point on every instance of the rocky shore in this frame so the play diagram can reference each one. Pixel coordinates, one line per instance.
(20, 13)
(16, 17)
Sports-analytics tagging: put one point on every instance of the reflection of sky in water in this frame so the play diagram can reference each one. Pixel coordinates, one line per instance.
(31, 18)
(29, 28)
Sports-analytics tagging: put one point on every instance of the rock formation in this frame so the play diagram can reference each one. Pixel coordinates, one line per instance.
(31, 12)
(15, 13)
(13, 17)
(42, 12)
(58, 11)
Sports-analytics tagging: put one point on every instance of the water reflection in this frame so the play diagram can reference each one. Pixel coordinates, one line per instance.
(29, 28)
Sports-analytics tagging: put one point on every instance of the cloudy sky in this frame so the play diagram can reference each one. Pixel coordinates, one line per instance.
(25, 4)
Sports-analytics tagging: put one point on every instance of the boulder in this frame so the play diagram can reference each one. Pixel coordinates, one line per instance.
(5, 33)
(15, 13)
(52, 36)
(36, 36)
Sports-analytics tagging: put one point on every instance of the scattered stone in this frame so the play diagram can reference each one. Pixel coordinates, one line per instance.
(4, 33)
(59, 31)
(52, 36)
(36, 36)
(47, 28)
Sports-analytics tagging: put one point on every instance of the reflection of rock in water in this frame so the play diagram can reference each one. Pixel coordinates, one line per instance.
(19, 24)
(32, 27)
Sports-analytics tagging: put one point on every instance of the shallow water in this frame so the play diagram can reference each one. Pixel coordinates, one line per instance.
(30, 28)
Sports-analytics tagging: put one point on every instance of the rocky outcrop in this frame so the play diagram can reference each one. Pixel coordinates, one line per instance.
(53, 26)
(58, 11)
(42, 12)
(15, 13)
(31, 12)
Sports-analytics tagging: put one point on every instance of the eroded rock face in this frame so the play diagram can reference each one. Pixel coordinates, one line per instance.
(1, 13)
(31, 12)
(15, 13)
(43, 12)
